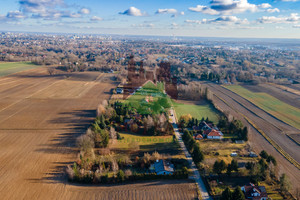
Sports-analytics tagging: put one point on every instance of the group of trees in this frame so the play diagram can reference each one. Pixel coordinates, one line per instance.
(235, 127)
(193, 147)
(264, 169)
(151, 124)
(220, 166)
(187, 121)
(237, 194)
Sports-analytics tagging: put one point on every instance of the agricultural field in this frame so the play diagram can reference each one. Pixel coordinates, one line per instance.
(268, 103)
(239, 108)
(7, 68)
(199, 110)
(40, 118)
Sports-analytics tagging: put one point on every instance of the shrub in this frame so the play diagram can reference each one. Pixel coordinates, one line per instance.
(85, 143)
(121, 176)
(70, 172)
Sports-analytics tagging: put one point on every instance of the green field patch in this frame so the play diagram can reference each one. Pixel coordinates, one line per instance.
(150, 99)
(145, 143)
(270, 104)
(7, 68)
(205, 110)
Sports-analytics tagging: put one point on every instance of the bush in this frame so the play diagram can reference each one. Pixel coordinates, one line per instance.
(121, 176)
(85, 143)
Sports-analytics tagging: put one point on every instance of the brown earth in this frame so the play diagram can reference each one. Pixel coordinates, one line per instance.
(275, 129)
(40, 118)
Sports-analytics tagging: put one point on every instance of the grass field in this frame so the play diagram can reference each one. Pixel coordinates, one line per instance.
(7, 68)
(146, 143)
(270, 104)
(197, 111)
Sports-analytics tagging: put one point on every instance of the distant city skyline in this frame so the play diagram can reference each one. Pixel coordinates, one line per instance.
(215, 18)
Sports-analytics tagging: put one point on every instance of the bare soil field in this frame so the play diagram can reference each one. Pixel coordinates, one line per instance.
(40, 118)
(283, 95)
(237, 107)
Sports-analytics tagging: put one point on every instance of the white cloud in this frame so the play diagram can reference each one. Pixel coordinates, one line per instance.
(132, 11)
(293, 18)
(39, 6)
(270, 10)
(204, 9)
(84, 11)
(228, 7)
(95, 18)
(220, 20)
(296, 26)
(167, 10)
(15, 15)
(265, 5)
(143, 25)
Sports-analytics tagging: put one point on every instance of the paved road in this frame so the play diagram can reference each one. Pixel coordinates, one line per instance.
(196, 176)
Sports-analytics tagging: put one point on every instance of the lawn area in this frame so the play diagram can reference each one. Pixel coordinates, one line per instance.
(217, 149)
(277, 108)
(197, 111)
(153, 92)
(7, 68)
(144, 143)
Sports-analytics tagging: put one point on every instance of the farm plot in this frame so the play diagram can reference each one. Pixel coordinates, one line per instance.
(38, 134)
(275, 107)
(7, 68)
(281, 94)
(239, 107)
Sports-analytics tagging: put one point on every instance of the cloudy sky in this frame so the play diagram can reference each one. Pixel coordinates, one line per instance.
(204, 18)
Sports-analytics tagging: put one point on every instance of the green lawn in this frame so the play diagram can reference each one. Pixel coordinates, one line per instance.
(277, 108)
(7, 68)
(153, 91)
(197, 111)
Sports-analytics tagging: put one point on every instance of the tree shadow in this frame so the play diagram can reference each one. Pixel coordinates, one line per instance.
(77, 122)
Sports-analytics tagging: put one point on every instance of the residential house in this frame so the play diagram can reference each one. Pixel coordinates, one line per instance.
(255, 192)
(198, 137)
(162, 167)
(214, 134)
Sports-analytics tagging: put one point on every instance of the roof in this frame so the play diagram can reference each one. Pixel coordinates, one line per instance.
(163, 165)
(215, 133)
(252, 189)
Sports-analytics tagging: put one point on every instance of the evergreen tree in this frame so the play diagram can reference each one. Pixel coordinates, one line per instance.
(226, 194)
(197, 154)
(238, 194)
(234, 165)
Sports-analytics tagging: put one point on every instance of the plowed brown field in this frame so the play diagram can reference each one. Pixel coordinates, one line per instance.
(40, 118)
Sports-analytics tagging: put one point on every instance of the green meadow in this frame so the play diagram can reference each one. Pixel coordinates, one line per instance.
(270, 104)
(7, 68)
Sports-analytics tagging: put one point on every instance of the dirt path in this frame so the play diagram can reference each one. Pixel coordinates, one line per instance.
(196, 176)
(272, 127)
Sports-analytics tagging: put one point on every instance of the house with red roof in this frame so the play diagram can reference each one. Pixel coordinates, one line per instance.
(198, 137)
(213, 134)
(254, 192)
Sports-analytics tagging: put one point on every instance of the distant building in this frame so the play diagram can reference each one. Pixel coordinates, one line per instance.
(255, 192)
(162, 167)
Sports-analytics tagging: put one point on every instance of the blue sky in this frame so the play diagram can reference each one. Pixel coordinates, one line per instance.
(204, 18)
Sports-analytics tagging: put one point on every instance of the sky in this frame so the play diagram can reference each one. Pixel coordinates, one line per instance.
(201, 18)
